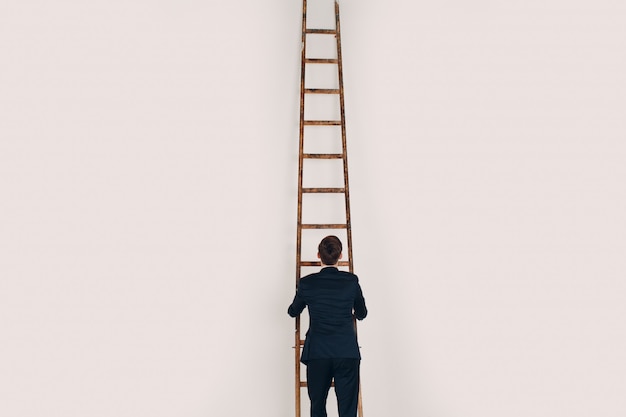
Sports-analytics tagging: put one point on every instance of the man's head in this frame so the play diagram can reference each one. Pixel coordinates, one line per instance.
(329, 250)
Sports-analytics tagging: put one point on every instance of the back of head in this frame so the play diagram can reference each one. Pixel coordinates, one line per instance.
(330, 250)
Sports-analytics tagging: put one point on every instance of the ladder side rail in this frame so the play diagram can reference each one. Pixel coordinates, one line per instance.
(343, 138)
(297, 345)
(345, 169)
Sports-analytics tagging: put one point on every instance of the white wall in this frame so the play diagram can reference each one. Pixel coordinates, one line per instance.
(148, 157)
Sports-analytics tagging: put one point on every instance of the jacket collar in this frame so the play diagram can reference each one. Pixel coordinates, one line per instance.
(329, 269)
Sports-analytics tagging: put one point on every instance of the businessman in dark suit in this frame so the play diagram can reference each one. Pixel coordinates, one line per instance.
(331, 350)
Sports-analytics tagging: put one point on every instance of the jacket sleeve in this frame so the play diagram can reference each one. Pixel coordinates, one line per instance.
(360, 310)
(296, 306)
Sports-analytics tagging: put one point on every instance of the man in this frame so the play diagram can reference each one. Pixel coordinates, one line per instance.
(330, 350)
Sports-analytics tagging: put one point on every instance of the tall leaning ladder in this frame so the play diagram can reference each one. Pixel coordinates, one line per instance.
(306, 62)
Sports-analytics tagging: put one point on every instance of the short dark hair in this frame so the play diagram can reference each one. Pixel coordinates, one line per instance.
(330, 250)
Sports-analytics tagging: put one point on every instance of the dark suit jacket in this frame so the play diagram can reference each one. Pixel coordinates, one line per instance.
(331, 296)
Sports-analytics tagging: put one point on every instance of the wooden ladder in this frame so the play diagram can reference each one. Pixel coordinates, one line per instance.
(331, 125)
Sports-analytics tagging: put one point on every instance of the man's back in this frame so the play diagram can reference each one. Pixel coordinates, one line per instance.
(331, 296)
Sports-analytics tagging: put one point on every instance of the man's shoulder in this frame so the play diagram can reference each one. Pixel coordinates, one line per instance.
(344, 275)
(308, 278)
(329, 273)
(348, 275)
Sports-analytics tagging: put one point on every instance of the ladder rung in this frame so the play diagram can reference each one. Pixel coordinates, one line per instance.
(321, 61)
(322, 156)
(324, 226)
(303, 384)
(322, 31)
(323, 190)
(321, 90)
(322, 122)
(317, 263)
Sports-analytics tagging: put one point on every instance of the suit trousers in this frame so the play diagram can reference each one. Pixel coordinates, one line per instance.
(319, 375)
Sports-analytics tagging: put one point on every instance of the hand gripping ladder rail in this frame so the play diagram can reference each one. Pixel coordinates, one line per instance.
(308, 62)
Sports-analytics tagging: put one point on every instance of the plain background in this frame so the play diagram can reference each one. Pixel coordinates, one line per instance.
(148, 160)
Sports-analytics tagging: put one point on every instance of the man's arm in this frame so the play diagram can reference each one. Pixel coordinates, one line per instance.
(360, 311)
(296, 306)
